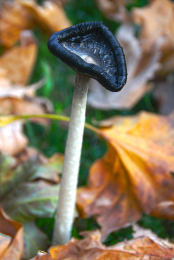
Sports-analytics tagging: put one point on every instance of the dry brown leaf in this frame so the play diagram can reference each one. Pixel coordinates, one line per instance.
(11, 238)
(15, 91)
(141, 67)
(14, 100)
(134, 176)
(90, 248)
(17, 63)
(12, 139)
(156, 21)
(19, 15)
(17, 106)
(50, 17)
(13, 20)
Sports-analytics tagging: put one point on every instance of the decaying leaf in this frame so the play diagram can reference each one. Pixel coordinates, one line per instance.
(50, 17)
(134, 176)
(15, 68)
(19, 15)
(11, 238)
(16, 91)
(90, 248)
(31, 200)
(13, 20)
(28, 179)
(12, 139)
(29, 190)
(156, 22)
(17, 63)
(141, 67)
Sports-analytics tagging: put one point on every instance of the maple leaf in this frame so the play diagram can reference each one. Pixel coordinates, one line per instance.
(144, 247)
(134, 176)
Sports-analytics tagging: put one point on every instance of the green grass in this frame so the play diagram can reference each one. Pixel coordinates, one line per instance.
(162, 227)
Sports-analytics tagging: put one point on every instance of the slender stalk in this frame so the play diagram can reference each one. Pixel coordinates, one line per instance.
(67, 194)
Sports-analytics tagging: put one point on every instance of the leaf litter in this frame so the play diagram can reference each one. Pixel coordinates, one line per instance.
(128, 180)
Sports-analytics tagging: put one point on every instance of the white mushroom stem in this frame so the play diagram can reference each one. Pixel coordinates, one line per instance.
(67, 194)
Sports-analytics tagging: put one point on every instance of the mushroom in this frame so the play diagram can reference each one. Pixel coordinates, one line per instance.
(93, 51)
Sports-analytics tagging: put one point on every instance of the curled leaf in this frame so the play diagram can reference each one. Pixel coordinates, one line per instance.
(50, 16)
(19, 61)
(11, 238)
(18, 15)
(131, 178)
(13, 20)
(144, 247)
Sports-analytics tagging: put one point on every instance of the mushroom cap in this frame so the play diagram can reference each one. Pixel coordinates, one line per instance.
(91, 48)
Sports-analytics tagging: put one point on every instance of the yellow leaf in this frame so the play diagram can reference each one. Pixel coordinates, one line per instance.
(134, 176)
(17, 63)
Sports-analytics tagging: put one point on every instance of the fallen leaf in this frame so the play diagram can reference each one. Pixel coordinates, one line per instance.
(50, 16)
(18, 62)
(30, 190)
(24, 106)
(14, 100)
(156, 22)
(13, 20)
(141, 67)
(11, 238)
(17, 91)
(134, 176)
(25, 206)
(18, 15)
(33, 179)
(12, 139)
(144, 247)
